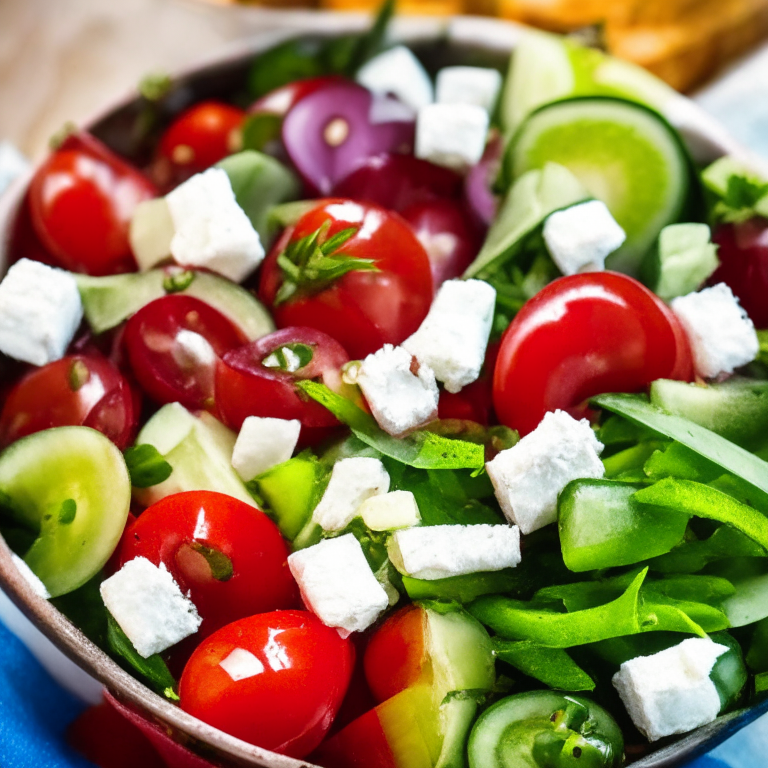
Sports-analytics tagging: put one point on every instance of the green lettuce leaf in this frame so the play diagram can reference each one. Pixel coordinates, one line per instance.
(552, 666)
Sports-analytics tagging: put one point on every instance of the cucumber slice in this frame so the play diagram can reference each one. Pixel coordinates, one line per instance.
(737, 409)
(151, 233)
(457, 713)
(70, 484)
(623, 153)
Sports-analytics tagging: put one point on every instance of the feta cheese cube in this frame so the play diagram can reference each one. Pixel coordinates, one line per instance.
(400, 398)
(12, 164)
(671, 692)
(211, 229)
(30, 577)
(454, 335)
(398, 72)
(580, 237)
(396, 509)
(241, 664)
(338, 585)
(264, 443)
(352, 482)
(451, 135)
(469, 85)
(440, 551)
(149, 607)
(722, 336)
(40, 311)
(529, 476)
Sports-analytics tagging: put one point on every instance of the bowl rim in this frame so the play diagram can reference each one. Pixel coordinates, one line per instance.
(706, 139)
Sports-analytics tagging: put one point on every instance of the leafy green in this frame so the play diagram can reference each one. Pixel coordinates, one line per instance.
(146, 466)
(552, 666)
(738, 191)
(85, 609)
(757, 656)
(370, 43)
(749, 577)
(260, 129)
(67, 511)
(423, 450)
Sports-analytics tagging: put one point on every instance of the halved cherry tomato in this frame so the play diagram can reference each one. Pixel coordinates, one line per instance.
(229, 557)
(383, 300)
(581, 336)
(283, 679)
(82, 199)
(259, 379)
(173, 345)
(78, 390)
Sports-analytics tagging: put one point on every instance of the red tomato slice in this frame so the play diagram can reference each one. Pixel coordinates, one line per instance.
(581, 336)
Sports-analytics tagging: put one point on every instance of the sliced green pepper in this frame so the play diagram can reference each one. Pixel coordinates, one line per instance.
(552, 666)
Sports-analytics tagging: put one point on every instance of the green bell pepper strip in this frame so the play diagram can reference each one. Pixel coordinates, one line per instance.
(552, 666)
(749, 577)
(677, 460)
(631, 458)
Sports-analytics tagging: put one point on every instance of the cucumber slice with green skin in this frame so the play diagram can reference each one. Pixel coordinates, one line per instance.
(457, 713)
(108, 301)
(151, 233)
(625, 154)
(737, 409)
(729, 674)
(71, 484)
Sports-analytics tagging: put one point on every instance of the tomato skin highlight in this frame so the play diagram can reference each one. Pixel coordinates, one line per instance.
(362, 310)
(581, 336)
(81, 201)
(290, 704)
(175, 529)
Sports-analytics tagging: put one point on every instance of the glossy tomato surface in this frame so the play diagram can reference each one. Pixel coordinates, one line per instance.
(228, 556)
(81, 201)
(581, 336)
(280, 101)
(173, 345)
(78, 390)
(365, 308)
(284, 677)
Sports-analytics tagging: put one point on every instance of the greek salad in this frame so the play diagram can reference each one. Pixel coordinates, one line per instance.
(398, 416)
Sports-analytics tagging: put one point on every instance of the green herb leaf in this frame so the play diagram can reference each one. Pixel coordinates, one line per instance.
(743, 192)
(739, 192)
(281, 65)
(552, 666)
(78, 375)
(67, 511)
(260, 129)
(146, 466)
(176, 281)
(155, 86)
(423, 450)
(218, 562)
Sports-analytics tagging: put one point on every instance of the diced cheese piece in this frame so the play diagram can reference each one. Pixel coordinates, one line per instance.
(451, 135)
(722, 336)
(529, 476)
(469, 85)
(580, 237)
(211, 229)
(398, 72)
(399, 398)
(396, 509)
(454, 335)
(241, 664)
(149, 607)
(151, 233)
(671, 692)
(30, 577)
(40, 311)
(264, 443)
(338, 585)
(12, 164)
(440, 551)
(352, 482)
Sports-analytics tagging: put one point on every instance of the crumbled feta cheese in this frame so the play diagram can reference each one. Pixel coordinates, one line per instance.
(396, 509)
(264, 443)
(12, 164)
(352, 482)
(671, 692)
(529, 476)
(452, 135)
(211, 229)
(149, 607)
(580, 237)
(440, 551)
(722, 336)
(399, 398)
(241, 664)
(398, 72)
(30, 577)
(338, 585)
(454, 335)
(469, 85)
(40, 311)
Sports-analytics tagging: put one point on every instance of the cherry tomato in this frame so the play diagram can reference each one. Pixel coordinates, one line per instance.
(364, 308)
(743, 266)
(173, 344)
(259, 379)
(283, 679)
(79, 390)
(199, 137)
(448, 235)
(581, 336)
(82, 199)
(227, 555)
